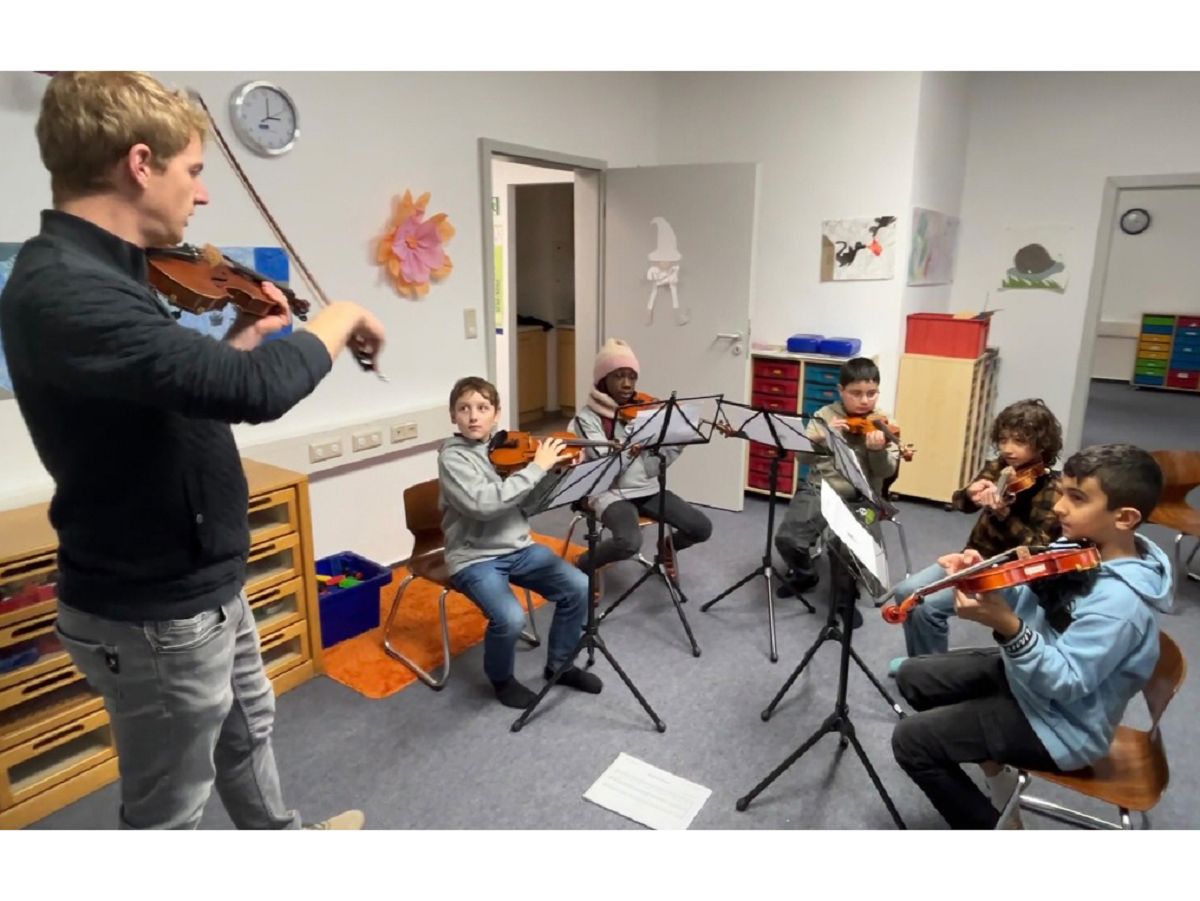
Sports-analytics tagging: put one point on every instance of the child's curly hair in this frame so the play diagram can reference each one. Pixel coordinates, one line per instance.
(1031, 421)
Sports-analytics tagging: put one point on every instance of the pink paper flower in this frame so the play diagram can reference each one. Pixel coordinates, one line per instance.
(411, 248)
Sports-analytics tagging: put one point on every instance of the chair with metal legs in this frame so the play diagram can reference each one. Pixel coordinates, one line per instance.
(428, 561)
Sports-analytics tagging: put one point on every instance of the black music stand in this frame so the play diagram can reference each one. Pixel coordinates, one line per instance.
(847, 572)
(675, 422)
(784, 434)
(579, 484)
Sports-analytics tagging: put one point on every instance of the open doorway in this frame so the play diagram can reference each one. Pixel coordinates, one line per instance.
(1143, 317)
(542, 256)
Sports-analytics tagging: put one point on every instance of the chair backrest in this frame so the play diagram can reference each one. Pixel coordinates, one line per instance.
(423, 517)
(1181, 473)
(1167, 678)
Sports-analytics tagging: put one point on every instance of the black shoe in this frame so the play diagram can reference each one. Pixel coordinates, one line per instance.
(580, 680)
(513, 694)
(798, 581)
(856, 619)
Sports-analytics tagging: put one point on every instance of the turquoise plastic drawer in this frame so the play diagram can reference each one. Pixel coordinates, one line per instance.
(815, 374)
(1157, 329)
(812, 406)
(823, 393)
(1149, 379)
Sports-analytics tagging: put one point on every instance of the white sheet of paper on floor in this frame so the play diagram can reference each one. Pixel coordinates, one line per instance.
(647, 795)
(853, 534)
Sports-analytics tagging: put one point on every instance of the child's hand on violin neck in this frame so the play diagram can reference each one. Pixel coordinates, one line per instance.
(953, 563)
(550, 453)
(875, 441)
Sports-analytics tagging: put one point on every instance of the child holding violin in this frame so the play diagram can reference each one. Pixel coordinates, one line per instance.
(1072, 649)
(852, 415)
(488, 546)
(1016, 494)
(614, 383)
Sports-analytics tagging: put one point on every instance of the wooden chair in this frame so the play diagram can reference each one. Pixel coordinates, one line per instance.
(428, 561)
(1134, 774)
(1181, 474)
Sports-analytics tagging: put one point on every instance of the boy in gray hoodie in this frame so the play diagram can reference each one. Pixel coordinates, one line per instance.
(614, 382)
(485, 521)
(1073, 650)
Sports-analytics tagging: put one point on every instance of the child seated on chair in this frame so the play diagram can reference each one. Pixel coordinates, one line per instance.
(1073, 650)
(858, 387)
(614, 382)
(488, 545)
(1024, 433)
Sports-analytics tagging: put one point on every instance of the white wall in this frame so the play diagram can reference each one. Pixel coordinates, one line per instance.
(939, 166)
(365, 137)
(1040, 147)
(832, 146)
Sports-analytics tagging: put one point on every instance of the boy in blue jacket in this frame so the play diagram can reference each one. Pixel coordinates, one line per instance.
(1072, 650)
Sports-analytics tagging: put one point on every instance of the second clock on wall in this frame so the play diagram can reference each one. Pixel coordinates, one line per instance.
(264, 117)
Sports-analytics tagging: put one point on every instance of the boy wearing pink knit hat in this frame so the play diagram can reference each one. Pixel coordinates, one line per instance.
(614, 383)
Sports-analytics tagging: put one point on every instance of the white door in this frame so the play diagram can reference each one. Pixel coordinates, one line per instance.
(700, 218)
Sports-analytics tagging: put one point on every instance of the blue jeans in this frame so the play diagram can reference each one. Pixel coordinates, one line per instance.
(541, 570)
(190, 707)
(927, 629)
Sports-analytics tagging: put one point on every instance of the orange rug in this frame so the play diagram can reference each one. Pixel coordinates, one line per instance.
(361, 662)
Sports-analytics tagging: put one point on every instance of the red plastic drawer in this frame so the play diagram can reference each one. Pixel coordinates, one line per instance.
(766, 450)
(763, 481)
(1188, 322)
(777, 369)
(781, 387)
(775, 403)
(1179, 378)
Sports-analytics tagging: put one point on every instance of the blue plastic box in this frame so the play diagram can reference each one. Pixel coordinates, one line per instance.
(840, 347)
(346, 612)
(804, 344)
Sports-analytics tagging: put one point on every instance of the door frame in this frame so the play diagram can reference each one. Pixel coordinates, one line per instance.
(489, 149)
(1113, 185)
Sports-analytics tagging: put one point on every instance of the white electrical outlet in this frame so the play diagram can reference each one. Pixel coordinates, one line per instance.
(470, 327)
(319, 452)
(403, 431)
(362, 441)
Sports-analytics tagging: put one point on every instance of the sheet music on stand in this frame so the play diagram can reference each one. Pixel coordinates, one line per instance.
(685, 425)
(583, 480)
(854, 535)
(788, 432)
(846, 463)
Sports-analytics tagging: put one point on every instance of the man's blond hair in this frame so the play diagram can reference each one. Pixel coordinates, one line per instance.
(89, 120)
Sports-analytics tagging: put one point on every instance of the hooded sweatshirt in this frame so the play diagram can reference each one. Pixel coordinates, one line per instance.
(1073, 685)
(483, 515)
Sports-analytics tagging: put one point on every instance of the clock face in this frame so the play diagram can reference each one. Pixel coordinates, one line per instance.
(265, 118)
(1135, 221)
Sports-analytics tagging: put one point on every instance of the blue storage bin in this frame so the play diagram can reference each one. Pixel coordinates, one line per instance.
(821, 375)
(812, 406)
(1148, 380)
(346, 612)
(804, 344)
(1157, 329)
(826, 394)
(840, 347)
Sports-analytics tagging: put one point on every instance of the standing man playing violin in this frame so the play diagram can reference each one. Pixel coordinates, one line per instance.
(858, 388)
(1072, 650)
(130, 413)
(1027, 437)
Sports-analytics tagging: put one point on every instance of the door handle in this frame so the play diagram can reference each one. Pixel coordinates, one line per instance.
(735, 337)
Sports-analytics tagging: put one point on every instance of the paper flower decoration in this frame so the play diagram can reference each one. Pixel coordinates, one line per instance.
(412, 246)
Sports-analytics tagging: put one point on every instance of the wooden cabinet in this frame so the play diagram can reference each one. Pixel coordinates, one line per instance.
(56, 744)
(566, 369)
(787, 383)
(531, 373)
(1168, 353)
(945, 407)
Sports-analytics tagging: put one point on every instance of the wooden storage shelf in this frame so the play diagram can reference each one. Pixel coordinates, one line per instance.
(56, 743)
(945, 406)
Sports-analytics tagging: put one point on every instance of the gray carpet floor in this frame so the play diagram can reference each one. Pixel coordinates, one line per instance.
(447, 760)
